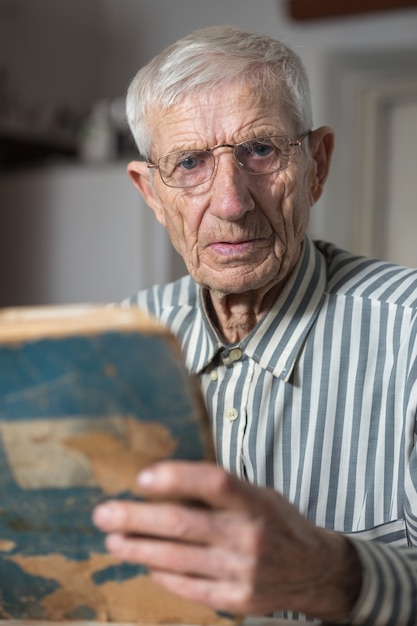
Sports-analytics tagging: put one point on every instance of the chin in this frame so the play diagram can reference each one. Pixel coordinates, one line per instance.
(239, 279)
(234, 285)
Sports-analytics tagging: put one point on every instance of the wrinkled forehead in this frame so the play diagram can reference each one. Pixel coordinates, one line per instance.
(232, 112)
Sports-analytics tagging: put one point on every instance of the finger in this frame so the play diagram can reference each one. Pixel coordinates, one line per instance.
(178, 522)
(230, 597)
(160, 519)
(214, 563)
(204, 482)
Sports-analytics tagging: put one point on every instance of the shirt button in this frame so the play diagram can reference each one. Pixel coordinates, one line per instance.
(214, 375)
(235, 354)
(231, 414)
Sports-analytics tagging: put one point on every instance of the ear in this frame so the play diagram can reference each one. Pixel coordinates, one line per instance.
(321, 147)
(140, 175)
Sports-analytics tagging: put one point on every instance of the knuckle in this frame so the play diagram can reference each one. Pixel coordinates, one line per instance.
(179, 522)
(259, 542)
(221, 482)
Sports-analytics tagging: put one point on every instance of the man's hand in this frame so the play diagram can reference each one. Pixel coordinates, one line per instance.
(214, 539)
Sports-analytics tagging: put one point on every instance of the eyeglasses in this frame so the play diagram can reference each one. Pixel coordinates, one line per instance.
(262, 155)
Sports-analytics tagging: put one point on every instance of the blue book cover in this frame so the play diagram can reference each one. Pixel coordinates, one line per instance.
(88, 396)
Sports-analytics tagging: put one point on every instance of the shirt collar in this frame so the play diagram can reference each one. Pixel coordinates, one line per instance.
(277, 339)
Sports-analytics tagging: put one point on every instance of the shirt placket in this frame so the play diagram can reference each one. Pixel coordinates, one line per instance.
(238, 371)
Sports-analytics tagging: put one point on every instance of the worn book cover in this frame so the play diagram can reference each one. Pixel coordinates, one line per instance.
(88, 396)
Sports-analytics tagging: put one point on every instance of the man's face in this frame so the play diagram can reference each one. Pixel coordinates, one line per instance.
(237, 232)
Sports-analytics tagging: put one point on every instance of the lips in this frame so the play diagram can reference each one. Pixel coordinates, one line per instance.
(230, 248)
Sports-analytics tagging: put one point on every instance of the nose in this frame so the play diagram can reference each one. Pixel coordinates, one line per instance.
(230, 197)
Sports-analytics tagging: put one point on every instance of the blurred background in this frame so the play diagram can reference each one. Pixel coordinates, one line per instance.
(73, 228)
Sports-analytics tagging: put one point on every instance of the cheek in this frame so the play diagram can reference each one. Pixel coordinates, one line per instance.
(296, 199)
(289, 209)
(279, 202)
(182, 221)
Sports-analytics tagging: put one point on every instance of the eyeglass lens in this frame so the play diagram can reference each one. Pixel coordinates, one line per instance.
(194, 167)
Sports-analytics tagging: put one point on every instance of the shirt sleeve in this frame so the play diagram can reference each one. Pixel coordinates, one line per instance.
(389, 589)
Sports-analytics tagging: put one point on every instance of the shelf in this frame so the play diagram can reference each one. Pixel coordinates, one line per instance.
(21, 145)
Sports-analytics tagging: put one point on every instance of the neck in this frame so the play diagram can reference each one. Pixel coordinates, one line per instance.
(236, 315)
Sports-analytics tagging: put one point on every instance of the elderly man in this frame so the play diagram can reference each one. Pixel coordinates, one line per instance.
(306, 354)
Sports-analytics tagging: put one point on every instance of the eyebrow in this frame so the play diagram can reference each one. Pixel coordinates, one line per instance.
(260, 136)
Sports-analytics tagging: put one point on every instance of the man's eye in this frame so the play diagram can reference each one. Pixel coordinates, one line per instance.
(261, 149)
(190, 162)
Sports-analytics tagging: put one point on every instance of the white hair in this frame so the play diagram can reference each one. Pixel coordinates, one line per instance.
(211, 57)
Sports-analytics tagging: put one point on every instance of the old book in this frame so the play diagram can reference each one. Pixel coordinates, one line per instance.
(88, 396)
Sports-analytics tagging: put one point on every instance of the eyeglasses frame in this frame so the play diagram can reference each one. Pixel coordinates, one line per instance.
(233, 147)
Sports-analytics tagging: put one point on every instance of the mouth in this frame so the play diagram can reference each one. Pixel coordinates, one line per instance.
(232, 248)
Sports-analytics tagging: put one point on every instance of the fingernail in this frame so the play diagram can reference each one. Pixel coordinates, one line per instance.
(102, 514)
(146, 478)
(114, 541)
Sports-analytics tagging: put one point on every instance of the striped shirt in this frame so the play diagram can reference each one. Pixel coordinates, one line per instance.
(319, 402)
